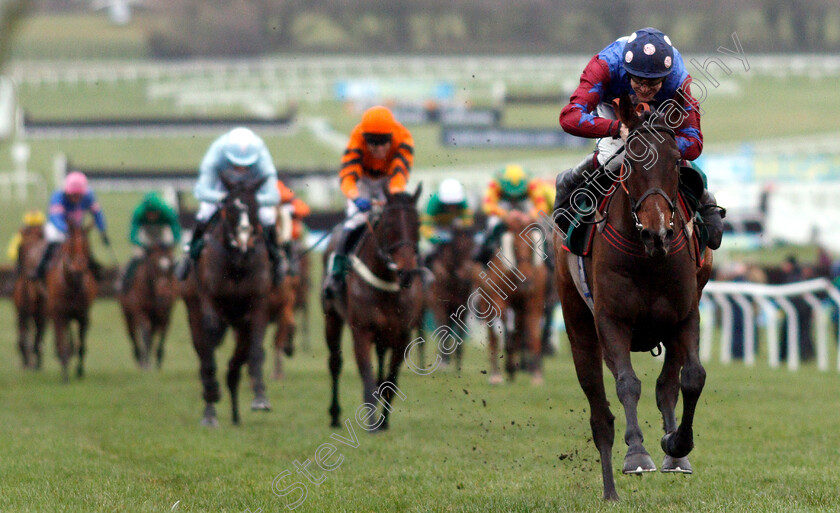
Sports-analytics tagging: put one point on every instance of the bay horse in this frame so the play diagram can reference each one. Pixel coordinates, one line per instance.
(516, 284)
(282, 300)
(29, 297)
(452, 285)
(147, 304)
(71, 289)
(645, 288)
(230, 288)
(382, 303)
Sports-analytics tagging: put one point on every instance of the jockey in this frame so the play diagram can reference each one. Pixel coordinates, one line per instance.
(511, 189)
(447, 209)
(297, 210)
(243, 151)
(32, 220)
(153, 223)
(69, 206)
(647, 67)
(380, 154)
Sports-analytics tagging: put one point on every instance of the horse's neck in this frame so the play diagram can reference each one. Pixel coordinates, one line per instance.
(368, 252)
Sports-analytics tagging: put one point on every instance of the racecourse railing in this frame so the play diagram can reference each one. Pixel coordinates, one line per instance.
(770, 306)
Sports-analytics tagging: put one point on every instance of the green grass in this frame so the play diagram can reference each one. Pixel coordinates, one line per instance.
(125, 440)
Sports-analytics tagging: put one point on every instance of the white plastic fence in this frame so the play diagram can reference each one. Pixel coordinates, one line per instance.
(770, 300)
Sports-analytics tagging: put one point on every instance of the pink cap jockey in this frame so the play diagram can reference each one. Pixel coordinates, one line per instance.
(76, 183)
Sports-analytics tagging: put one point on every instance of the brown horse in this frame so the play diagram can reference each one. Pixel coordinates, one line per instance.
(230, 287)
(516, 284)
(71, 289)
(641, 298)
(452, 268)
(147, 304)
(29, 297)
(282, 301)
(382, 303)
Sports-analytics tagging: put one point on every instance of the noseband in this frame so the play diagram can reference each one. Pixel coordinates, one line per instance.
(635, 205)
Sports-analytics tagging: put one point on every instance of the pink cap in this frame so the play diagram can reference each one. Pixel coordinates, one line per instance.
(76, 183)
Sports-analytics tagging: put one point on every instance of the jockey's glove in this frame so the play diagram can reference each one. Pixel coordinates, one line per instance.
(363, 204)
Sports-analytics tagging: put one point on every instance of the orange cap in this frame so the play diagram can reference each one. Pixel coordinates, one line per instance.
(377, 120)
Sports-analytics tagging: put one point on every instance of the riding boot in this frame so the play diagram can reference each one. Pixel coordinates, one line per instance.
(128, 277)
(279, 266)
(569, 180)
(488, 246)
(338, 264)
(192, 250)
(289, 253)
(41, 270)
(712, 216)
(95, 268)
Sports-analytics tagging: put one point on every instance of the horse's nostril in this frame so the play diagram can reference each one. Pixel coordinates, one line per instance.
(669, 234)
(646, 234)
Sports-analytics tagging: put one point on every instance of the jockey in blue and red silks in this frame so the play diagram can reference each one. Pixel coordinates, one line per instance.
(647, 67)
(70, 205)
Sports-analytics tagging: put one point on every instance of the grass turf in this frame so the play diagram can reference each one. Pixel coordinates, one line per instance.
(125, 440)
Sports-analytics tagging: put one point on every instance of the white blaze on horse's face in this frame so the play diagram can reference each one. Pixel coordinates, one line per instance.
(243, 229)
(164, 263)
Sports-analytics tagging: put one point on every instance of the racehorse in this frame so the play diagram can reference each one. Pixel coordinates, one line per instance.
(230, 287)
(645, 288)
(147, 304)
(71, 288)
(382, 302)
(453, 283)
(29, 297)
(282, 300)
(516, 281)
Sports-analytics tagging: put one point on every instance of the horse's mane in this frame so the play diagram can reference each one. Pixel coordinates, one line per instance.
(401, 198)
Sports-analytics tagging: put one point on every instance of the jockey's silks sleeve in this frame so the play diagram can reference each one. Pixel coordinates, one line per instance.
(357, 162)
(492, 196)
(604, 79)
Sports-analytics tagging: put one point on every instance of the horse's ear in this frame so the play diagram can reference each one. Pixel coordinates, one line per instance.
(388, 195)
(255, 184)
(226, 179)
(417, 193)
(626, 112)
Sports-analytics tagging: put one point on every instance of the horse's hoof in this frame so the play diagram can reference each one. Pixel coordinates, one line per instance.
(638, 463)
(496, 379)
(260, 404)
(537, 380)
(673, 465)
(210, 422)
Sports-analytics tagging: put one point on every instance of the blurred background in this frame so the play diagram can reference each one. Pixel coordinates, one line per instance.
(133, 91)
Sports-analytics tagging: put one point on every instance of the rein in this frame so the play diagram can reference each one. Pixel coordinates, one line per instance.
(384, 255)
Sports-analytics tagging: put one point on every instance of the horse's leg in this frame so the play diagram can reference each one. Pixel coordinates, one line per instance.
(380, 360)
(628, 387)
(40, 329)
(667, 392)
(83, 326)
(240, 356)
(397, 356)
(61, 346)
(145, 326)
(588, 358)
(363, 339)
(493, 351)
(256, 357)
(162, 330)
(278, 351)
(679, 443)
(333, 325)
(23, 339)
(205, 343)
(512, 342)
(131, 326)
(533, 339)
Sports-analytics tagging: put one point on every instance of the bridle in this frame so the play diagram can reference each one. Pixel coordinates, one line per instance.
(241, 237)
(385, 254)
(635, 205)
